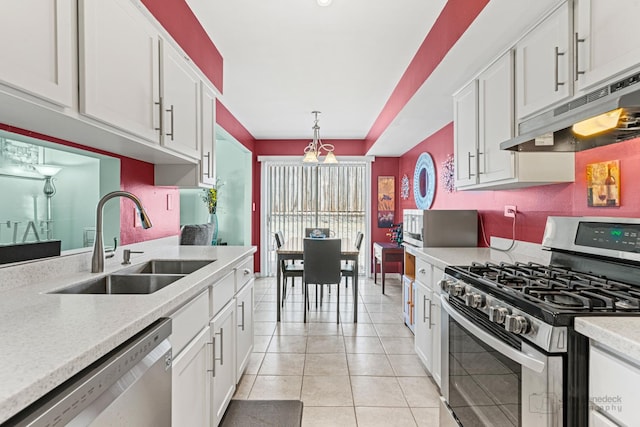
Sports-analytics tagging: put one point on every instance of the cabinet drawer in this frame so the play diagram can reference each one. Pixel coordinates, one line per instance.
(244, 273)
(188, 321)
(423, 272)
(221, 293)
(613, 386)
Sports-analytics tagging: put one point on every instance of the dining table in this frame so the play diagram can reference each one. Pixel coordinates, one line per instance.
(293, 249)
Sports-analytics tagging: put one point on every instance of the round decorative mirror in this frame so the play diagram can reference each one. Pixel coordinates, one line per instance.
(424, 181)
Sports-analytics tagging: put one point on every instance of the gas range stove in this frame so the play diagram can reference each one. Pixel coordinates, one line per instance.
(514, 322)
(593, 272)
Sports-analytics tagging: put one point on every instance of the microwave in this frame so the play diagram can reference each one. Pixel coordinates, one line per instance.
(440, 228)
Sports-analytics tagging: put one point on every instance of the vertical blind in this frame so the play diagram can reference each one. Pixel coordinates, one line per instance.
(318, 196)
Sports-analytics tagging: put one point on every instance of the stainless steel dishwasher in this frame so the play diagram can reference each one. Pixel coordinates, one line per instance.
(131, 386)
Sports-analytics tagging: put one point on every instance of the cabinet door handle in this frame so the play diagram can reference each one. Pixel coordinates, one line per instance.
(557, 56)
(424, 309)
(469, 156)
(161, 116)
(221, 333)
(430, 322)
(208, 156)
(170, 110)
(213, 356)
(242, 309)
(246, 271)
(576, 41)
(480, 153)
(422, 271)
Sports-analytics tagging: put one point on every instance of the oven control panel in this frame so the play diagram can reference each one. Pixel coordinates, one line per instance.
(513, 320)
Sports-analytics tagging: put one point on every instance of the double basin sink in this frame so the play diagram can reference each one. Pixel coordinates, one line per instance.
(145, 278)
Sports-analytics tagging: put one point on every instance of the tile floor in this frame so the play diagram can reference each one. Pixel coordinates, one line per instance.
(365, 374)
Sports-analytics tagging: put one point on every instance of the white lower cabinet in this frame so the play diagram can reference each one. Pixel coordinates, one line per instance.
(191, 383)
(423, 327)
(244, 331)
(408, 302)
(427, 317)
(613, 383)
(212, 342)
(223, 338)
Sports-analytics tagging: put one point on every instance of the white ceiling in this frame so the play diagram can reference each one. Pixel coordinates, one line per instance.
(285, 58)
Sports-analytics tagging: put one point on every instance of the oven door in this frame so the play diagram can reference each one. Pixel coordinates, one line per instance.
(493, 378)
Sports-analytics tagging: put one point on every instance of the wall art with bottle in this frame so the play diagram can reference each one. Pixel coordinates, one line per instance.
(603, 184)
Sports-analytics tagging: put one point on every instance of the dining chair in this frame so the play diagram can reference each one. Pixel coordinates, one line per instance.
(311, 231)
(196, 234)
(287, 269)
(321, 267)
(347, 269)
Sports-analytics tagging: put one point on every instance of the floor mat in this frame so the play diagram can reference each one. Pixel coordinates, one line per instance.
(254, 413)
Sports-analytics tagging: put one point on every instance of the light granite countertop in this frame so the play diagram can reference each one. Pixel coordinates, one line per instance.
(622, 334)
(47, 338)
(443, 257)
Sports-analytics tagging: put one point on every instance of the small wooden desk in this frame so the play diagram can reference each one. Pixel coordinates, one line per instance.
(386, 252)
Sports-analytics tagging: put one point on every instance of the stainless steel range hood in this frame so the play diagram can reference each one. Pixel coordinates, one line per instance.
(552, 130)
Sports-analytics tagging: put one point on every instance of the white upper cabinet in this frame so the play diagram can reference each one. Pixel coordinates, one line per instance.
(483, 118)
(544, 64)
(465, 134)
(607, 39)
(119, 67)
(180, 93)
(37, 46)
(208, 124)
(495, 120)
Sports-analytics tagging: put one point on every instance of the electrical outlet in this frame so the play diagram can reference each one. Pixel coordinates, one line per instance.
(510, 211)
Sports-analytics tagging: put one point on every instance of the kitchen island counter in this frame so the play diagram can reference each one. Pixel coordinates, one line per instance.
(47, 338)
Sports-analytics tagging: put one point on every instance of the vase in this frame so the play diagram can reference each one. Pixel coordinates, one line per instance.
(213, 219)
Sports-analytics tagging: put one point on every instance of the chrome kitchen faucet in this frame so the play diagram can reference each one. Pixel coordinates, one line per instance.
(97, 260)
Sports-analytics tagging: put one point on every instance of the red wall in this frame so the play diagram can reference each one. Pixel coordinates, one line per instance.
(534, 204)
(137, 178)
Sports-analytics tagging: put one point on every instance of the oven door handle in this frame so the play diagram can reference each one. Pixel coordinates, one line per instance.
(513, 354)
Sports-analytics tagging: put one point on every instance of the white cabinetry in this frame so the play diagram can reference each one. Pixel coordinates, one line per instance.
(180, 99)
(37, 44)
(212, 341)
(427, 330)
(224, 374)
(208, 135)
(495, 120)
(543, 64)
(423, 330)
(465, 134)
(191, 389)
(203, 173)
(119, 67)
(133, 79)
(191, 383)
(606, 39)
(483, 118)
(244, 309)
(408, 298)
(612, 388)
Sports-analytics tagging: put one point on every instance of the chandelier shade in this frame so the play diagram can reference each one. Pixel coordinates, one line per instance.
(314, 150)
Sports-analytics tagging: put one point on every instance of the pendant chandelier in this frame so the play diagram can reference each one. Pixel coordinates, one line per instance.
(313, 151)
